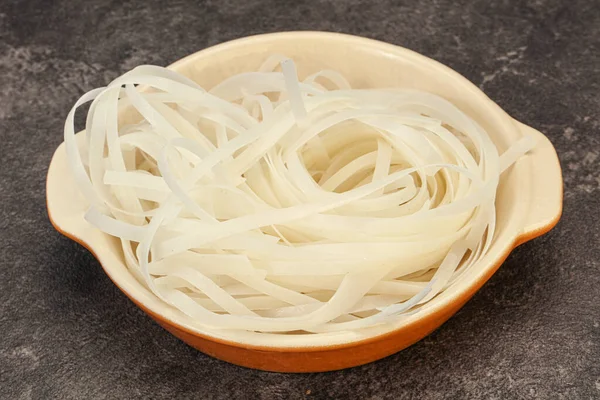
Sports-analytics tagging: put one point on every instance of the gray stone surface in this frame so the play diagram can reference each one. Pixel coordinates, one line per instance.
(67, 332)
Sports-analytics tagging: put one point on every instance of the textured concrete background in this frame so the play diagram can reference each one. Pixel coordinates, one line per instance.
(532, 332)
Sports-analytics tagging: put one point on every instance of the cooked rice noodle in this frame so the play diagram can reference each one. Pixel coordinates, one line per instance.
(276, 205)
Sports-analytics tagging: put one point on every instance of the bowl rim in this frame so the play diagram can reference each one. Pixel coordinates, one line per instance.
(460, 296)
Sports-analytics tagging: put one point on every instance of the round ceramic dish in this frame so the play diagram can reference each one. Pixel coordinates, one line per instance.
(528, 203)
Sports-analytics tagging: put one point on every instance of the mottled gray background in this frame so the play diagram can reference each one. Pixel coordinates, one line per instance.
(67, 332)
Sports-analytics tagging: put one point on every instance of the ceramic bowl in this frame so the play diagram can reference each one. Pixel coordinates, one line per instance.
(528, 203)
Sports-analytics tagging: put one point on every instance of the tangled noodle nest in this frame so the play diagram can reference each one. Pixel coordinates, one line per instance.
(272, 205)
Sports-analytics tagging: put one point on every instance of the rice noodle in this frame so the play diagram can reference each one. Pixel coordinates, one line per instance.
(273, 205)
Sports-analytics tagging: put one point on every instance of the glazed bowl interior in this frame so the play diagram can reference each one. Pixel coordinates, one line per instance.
(366, 64)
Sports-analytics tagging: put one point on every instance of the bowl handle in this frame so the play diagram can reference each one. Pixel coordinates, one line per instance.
(545, 207)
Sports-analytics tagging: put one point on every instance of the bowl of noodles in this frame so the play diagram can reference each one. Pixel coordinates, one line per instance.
(300, 201)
